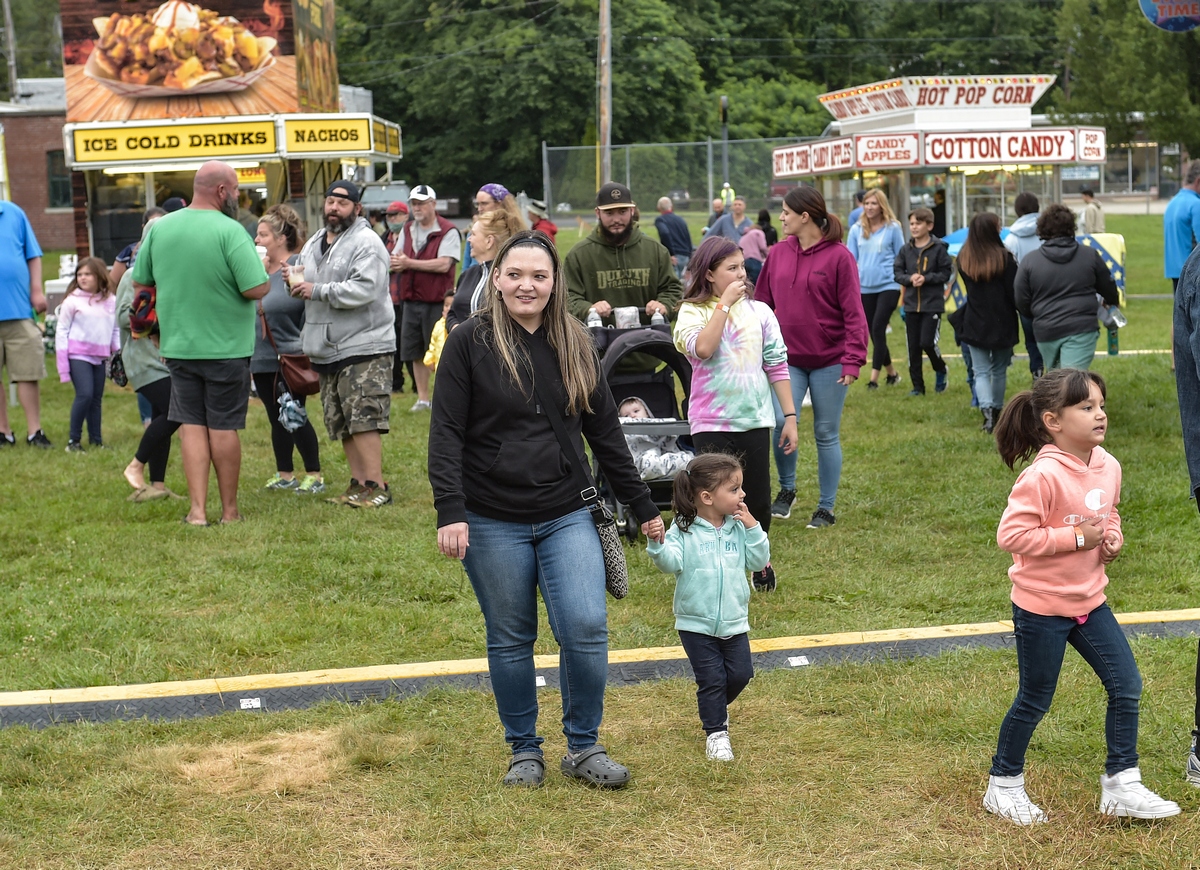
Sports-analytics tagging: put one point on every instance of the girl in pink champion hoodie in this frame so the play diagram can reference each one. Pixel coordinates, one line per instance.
(1062, 528)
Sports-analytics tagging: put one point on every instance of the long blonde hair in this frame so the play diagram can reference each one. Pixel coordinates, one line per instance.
(572, 345)
(889, 216)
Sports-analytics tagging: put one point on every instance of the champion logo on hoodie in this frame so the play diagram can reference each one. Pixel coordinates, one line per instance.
(1095, 502)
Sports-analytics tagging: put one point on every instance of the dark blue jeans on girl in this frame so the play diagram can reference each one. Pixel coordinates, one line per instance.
(1041, 642)
(723, 668)
(88, 380)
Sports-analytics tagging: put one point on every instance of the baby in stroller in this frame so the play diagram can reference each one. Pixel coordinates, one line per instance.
(656, 456)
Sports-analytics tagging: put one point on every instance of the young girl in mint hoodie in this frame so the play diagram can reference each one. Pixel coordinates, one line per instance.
(709, 548)
(85, 338)
(1062, 528)
(738, 360)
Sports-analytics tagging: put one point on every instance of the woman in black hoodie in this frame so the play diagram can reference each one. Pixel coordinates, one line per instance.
(509, 503)
(1057, 286)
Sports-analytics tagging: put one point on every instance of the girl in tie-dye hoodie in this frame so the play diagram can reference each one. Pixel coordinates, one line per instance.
(738, 358)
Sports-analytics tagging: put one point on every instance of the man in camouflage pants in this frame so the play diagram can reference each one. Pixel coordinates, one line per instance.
(350, 336)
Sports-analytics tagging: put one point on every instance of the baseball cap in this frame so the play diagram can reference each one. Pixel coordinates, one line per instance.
(614, 195)
(174, 203)
(397, 207)
(344, 189)
(421, 193)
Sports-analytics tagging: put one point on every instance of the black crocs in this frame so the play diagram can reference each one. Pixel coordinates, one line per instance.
(526, 770)
(594, 765)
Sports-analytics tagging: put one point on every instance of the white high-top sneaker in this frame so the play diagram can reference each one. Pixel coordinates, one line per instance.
(717, 746)
(1124, 796)
(1006, 797)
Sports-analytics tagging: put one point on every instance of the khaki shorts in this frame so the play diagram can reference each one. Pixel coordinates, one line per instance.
(22, 351)
(358, 398)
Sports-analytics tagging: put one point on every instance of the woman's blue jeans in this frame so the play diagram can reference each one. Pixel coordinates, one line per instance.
(508, 563)
(828, 398)
(1041, 642)
(991, 374)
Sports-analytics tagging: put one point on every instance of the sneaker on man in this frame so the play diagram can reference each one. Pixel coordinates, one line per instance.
(278, 481)
(1006, 797)
(820, 519)
(8, 439)
(764, 580)
(311, 485)
(421, 405)
(717, 747)
(39, 439)
(370, 496)
(352, 490)
(1122, 795)
(1192, 772)
(75, 447)
(781, 508)
(939, 382)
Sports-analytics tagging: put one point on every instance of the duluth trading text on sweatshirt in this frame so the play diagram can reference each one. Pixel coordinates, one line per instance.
(1053, 495)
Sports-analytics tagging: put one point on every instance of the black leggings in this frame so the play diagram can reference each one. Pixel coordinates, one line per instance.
(303, 439)
(155, 447)
(879, 307)
(753, 450)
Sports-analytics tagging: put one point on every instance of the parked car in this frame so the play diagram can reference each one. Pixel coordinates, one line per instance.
(680, 198)
(377, 197)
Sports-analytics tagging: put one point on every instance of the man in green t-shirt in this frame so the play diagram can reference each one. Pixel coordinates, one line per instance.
(207, 275)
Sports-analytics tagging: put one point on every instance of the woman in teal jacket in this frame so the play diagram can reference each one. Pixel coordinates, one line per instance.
(709, 548)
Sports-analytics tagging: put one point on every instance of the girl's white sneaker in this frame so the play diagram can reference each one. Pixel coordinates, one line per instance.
(1006, 797)
(718, 747)
(1123, 795)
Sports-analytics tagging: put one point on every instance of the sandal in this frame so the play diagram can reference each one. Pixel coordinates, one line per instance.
(527, 769)
(188, 522)
(594, 765)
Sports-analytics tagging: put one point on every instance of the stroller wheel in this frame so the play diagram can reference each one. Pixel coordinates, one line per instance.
(632, 531)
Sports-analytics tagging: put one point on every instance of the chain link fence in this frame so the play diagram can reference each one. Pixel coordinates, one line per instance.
(690, 173)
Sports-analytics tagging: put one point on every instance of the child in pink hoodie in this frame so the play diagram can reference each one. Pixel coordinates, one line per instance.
(1062, 528)
(86, 337)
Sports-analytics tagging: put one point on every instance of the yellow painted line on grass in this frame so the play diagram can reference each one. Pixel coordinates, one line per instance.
(457, 667)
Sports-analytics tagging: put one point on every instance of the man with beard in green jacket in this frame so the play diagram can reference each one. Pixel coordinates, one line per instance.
(617, 266)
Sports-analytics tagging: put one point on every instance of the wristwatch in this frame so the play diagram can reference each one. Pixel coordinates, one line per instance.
(1078, 538)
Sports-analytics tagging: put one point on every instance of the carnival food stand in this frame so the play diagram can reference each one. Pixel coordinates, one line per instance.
(972, 139)
(156, 89)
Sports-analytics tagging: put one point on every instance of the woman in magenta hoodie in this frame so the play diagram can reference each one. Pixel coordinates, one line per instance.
(810, 279)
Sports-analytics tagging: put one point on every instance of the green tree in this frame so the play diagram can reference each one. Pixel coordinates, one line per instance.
(39, 52)
(1116, 63)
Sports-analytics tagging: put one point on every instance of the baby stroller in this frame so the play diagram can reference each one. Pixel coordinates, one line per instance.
(656, 389)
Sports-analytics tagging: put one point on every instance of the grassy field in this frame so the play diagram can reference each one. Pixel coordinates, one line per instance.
(853, 766)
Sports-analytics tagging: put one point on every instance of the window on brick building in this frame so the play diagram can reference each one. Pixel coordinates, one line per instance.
(59, 179)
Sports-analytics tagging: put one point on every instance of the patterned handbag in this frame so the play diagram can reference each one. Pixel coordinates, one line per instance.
(616, 572)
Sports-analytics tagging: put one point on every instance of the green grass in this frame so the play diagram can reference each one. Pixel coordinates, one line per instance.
(867, 766)
(863, 766)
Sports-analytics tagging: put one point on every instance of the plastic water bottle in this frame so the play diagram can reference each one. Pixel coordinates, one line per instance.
(657, 318)
(593, 319)
(1118, 317)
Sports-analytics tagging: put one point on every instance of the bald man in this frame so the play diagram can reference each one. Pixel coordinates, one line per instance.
(206, 275)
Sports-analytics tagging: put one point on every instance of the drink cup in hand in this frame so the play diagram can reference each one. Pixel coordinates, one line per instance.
(295, 276)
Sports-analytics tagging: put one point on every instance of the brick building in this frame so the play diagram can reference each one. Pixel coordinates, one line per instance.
(38, 179)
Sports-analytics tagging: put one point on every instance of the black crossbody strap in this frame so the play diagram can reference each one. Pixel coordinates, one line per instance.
(583, 475)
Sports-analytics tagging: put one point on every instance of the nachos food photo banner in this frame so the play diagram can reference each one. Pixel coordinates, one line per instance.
(148, 59)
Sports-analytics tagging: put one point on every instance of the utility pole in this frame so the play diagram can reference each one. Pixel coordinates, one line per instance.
(605, 61)
(724, 137)
(10, 41)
